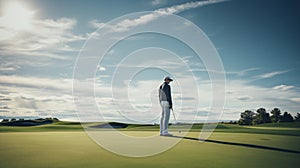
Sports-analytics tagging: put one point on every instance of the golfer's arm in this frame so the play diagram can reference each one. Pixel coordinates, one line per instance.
(169, 97)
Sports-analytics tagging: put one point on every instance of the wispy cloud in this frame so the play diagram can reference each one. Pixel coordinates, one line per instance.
(187, 6)
(270, 74)
(22, 81)
(47, 38)
(158, 2)
(297, 99)
(244, 98)
(8, 66)
(283, 87)
(96, 24)
(236, 73)
(241, 72)
(128, 23)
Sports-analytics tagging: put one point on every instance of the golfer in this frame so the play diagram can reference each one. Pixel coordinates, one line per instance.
(165, 99)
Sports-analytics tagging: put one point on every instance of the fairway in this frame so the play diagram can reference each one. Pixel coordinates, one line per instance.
(76, 149)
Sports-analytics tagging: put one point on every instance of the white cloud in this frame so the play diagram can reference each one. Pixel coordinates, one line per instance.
(256, 97)
(242, 72)
(96, 24)
(297, 100)
(34, 96)
(128, 23)
(36, 82)
(8, 66)
(270, 74)
(158, 2)
(283, 87)
(244, 98)
(102, 68)
(47, 37)
(187, 6)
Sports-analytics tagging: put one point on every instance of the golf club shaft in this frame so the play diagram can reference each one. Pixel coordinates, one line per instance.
(174, 116)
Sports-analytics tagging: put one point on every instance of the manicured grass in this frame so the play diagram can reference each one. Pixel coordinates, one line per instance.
(65, 144)
(58, 126)
(76, 149)
(260, 129)
(272, 128)
(282, 124)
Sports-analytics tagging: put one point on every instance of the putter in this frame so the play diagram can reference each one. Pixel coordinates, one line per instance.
(175, 119)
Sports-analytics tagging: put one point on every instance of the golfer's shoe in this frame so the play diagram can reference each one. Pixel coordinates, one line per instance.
(167, 134)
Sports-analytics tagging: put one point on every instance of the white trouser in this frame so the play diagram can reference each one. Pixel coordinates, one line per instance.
(165, 116)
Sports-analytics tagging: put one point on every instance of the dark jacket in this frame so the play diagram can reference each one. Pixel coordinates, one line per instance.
(165, 93)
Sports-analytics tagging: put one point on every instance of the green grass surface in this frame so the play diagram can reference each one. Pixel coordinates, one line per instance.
(229, 146)
(282, 124)
(57, 126)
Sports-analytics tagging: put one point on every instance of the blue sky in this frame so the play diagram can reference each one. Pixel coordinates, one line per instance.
(258, 43)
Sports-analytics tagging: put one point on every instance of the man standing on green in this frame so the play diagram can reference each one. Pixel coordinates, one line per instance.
(165, 99)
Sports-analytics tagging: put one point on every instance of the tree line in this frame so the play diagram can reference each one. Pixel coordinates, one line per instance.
(22, 119)
(261, 116)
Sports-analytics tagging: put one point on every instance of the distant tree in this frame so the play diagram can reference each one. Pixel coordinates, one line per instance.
(286, 117)
(246, 118)
(261, 117)
(13, 119)
(275, 115)
(297, 117)
(21, 119)
(255, 120)
(5, 120)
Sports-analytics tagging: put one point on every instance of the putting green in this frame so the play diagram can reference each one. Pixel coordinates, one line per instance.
(76, 149)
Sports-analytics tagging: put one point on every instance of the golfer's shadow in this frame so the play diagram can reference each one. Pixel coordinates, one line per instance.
(239, 144)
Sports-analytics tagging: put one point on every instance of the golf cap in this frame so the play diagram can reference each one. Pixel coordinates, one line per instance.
(168, 78)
